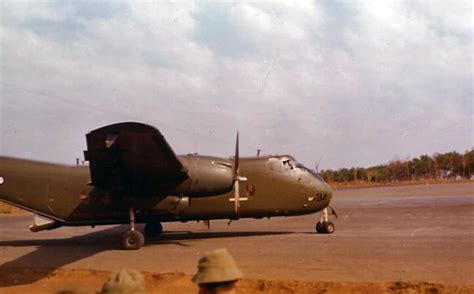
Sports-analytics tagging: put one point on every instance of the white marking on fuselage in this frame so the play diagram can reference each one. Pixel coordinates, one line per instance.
(241, 199)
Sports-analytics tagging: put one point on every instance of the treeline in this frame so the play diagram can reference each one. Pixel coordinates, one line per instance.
(451, 165)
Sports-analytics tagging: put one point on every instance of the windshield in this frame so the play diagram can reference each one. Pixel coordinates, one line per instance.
(291, 163)
(310, 171)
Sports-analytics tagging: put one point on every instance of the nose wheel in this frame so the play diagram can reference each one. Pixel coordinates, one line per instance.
(324, 226)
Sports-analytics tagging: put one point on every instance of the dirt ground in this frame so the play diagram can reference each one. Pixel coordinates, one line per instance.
(66, 281)
(414, 239)
(8, 209)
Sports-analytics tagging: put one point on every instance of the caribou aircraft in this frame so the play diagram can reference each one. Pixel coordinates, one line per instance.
(134, 176)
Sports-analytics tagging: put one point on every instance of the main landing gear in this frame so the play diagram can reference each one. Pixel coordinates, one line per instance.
(153, 229)
(133, 239)
(324, 226)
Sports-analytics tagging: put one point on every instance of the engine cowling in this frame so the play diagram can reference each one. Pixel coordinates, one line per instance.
(207, 176)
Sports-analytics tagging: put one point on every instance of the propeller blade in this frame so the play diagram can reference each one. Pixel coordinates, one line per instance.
(236, 158)
(237, 178)
(236, 197)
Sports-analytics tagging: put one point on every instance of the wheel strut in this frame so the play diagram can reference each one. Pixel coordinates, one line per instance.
(132, 219)
(325, 217)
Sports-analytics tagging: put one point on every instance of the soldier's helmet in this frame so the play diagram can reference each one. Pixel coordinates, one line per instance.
(215, 267)
(124, 281)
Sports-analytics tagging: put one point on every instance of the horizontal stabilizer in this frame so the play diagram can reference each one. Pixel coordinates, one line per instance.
(42, 223)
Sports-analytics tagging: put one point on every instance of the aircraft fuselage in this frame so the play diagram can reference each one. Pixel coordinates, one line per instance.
(275, 186)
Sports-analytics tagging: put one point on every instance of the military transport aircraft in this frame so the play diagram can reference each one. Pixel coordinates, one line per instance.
(135, 177)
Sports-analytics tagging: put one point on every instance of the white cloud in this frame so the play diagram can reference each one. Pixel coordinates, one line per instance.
(316, 80)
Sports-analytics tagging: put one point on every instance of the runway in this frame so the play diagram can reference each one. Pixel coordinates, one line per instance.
(411, 233)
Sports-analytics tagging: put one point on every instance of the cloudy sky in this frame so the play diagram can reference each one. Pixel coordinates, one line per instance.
(342, 84)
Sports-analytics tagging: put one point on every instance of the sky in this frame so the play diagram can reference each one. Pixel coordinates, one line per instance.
(333, 83)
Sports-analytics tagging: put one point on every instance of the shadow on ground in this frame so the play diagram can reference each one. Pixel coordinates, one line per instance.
(52, 254)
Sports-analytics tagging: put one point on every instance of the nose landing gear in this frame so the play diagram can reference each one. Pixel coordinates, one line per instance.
(324, 226)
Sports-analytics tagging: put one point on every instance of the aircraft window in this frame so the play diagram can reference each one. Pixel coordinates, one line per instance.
(310, 171)
(289, 163)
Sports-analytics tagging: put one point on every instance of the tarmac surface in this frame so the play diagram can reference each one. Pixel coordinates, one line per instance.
(386, 234)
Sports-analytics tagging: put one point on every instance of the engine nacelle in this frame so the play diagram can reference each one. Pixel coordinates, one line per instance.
(207, 176)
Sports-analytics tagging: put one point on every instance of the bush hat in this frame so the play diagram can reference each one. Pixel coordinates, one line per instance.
(215, 267)
(124, 281)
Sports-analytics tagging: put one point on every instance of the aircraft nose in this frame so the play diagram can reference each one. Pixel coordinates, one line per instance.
(328, 192)
(327, 189)
(318, 194)
(323, 190)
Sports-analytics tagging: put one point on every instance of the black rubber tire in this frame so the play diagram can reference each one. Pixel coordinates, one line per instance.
(133, 240)
(329, 227)
(319, 228)
(153, 229)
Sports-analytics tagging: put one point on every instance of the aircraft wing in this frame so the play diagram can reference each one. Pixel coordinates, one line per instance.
(130, 157)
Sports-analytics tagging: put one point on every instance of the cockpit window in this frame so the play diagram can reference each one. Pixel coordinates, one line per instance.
(289, 162)
(310, 171)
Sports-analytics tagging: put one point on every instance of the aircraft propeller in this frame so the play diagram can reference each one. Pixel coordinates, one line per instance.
(237, 178)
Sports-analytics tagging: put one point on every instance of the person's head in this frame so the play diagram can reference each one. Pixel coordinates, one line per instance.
(124, 281)
(217, 273)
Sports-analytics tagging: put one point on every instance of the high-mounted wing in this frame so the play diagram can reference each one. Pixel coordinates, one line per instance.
(131, 157)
